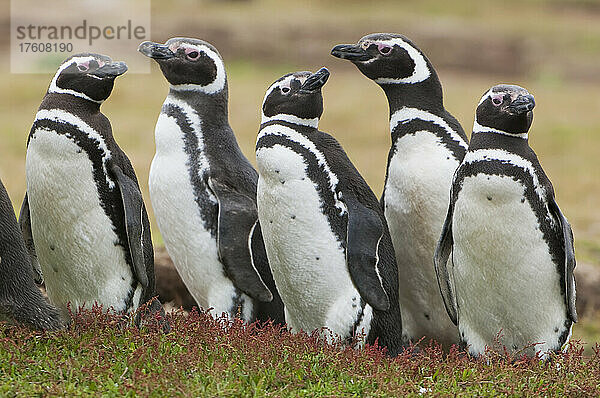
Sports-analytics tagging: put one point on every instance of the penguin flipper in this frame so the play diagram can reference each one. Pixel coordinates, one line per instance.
(25, 224)
(236, 221)
(133, 206)
(440, 262)
(365, 230)
(569, 266)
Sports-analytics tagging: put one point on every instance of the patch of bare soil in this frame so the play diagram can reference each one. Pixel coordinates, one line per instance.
(587, 278)
(169, 286)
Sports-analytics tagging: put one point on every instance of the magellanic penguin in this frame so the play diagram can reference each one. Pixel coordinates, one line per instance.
(512, 259)
(20, 298)
(326, 236)
(203, 189)
(428, 144)
(83, 214)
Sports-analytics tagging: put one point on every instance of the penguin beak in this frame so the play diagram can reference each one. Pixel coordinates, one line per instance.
(351, 52)
(110, 70)
(523, 104)
(315, 81)
(155, 50)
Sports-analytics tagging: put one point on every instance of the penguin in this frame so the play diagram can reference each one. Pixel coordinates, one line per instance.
(83, 217)
(20, 298)
(326, 237)
(203, 188)
(510, 277)
(428, 144)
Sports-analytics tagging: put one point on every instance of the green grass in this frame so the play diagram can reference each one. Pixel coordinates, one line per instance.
(100, 355)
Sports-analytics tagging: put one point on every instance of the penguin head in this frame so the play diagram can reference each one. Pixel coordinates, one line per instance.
(387, 58)
(188, 64)
(86, 75)
(296, 97)
(505, 108)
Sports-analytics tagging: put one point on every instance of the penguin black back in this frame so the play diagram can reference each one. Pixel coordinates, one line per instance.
(20, 298)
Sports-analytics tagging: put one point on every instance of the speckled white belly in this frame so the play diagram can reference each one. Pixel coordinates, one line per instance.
(73, 236)
(308, 264)
(191, 247)
(505, 279)
(417, 194)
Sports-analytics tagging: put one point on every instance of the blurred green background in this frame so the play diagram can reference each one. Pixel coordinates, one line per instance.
(551, 47)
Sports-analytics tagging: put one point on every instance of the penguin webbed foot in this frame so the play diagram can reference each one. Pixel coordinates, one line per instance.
(152, 314)
(33, 315)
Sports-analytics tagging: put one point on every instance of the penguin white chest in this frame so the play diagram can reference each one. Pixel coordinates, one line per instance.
(189, 243)
(504, 274)
(306, 258)
(417, 194)
(74, 238)
(419, 178)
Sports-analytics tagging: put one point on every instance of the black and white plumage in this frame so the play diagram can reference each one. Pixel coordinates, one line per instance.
(326, 237)
(428, 144)
(203, 189)
(511, 248)
(20, 298)
(83, 214)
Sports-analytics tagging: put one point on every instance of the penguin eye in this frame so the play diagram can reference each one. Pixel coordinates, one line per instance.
(496, 100)
(285, 90)
(384, 50)
(83, 67)
(193, 54)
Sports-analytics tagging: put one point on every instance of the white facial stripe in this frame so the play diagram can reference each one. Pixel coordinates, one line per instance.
(59, 115)
(287, 82)
(314, 122)
(283, 83)
(485, 96)
(217, 85)
(55, 89)
(298, 138)
(505, 156)
(421, 71)
(405, 115)
(196, 124)
(513, 94)
(478, 128)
